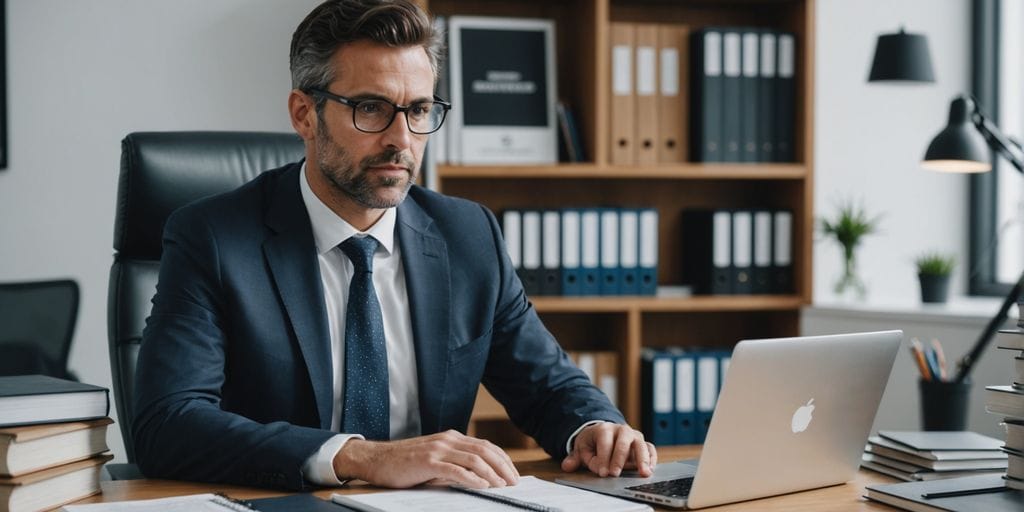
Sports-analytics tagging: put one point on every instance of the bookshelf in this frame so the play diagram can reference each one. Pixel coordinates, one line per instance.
(627, 324)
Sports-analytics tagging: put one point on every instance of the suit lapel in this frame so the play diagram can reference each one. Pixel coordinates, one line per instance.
(291, 255)
(427, 281)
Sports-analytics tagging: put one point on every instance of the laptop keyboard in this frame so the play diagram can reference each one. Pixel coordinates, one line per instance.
(678, 488)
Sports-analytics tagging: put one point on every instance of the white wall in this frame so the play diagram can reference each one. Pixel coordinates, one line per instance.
(81, 75)
(870, 137)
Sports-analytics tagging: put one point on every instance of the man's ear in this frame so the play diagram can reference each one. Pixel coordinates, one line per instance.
(302, 112)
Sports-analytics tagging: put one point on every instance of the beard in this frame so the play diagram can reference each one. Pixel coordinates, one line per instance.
(357, 182)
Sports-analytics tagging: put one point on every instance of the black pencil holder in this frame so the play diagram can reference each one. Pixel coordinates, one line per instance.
(944, 404)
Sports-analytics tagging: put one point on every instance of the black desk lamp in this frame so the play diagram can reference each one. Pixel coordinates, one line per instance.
(963, 147)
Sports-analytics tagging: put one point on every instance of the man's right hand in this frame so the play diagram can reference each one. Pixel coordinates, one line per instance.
(448, 457)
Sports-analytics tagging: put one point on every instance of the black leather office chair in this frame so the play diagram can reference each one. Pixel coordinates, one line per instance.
(37, 322)
(161, 172)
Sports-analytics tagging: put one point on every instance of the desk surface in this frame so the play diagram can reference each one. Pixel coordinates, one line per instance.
(846, 497)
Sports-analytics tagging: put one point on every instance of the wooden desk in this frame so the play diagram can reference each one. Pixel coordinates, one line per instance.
(847, 497)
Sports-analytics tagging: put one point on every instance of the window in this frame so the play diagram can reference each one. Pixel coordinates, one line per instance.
(997, 198)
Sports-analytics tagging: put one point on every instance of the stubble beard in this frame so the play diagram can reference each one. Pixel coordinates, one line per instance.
(358, 183)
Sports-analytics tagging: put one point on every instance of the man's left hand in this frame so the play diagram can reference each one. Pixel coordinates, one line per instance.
(608, 448)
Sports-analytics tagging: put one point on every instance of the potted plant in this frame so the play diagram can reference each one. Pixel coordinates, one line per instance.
(849, 227)
(933, 270)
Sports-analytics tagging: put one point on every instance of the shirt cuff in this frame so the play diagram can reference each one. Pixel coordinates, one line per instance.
(319, 467)
(572, 438)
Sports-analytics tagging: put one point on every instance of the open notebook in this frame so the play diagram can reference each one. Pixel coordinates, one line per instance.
(531, 493)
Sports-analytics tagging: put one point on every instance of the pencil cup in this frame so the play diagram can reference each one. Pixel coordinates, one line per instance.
(944, 404)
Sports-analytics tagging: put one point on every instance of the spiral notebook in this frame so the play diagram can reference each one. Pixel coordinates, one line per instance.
(213, 503)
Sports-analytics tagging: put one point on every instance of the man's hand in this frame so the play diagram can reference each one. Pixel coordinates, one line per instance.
(608, 448)
(448, 457)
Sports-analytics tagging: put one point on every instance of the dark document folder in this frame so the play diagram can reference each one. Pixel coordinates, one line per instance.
(971, 493)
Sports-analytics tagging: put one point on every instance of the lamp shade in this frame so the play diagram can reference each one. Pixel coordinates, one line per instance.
(959, 147)
(902, 57)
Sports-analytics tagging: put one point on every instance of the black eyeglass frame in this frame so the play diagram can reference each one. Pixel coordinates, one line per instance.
(446, 106)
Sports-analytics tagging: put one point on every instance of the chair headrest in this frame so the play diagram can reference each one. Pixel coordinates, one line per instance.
(162, 171)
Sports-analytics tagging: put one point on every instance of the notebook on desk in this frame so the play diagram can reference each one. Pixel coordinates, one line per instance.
(792, 415)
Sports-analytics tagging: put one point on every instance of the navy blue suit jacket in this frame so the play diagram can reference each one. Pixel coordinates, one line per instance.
(234, 373)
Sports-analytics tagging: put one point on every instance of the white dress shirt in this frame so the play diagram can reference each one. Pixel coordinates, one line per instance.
(330, 230)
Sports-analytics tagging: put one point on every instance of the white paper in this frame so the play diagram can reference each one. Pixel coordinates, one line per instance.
(529, 488)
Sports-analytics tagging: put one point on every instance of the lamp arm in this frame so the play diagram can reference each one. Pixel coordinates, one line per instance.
(1008, 148)
(966, 363)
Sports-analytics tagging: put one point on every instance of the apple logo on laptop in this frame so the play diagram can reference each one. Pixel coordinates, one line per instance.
(802, 417)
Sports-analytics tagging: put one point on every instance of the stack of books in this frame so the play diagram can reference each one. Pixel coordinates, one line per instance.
(1008, 401)
(53, 441)
(914, 455)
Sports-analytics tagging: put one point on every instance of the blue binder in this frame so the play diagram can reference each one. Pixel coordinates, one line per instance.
(629, 249)
(572, 271)
(590, 251)
(685, 397)
(658, 407)
(611, 269)
(648, 239)
(707, 366)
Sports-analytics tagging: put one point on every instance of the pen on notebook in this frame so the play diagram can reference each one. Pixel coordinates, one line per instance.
(942, 359)
(508, 500)
(962, 492)
(917, 352)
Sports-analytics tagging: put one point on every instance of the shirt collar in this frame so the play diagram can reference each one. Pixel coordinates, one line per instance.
(329, 229)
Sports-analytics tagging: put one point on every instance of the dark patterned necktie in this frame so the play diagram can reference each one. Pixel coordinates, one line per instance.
(366, 406)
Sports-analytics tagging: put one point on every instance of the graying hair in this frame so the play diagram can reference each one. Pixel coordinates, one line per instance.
(395, 23)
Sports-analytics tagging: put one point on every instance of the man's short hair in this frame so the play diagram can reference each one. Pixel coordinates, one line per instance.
(394, 23)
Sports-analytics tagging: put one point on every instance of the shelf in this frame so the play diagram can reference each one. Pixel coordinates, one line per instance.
(626, 304)
(689, 171)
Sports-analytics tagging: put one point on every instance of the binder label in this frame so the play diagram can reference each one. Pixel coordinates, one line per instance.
(669, 72)
(663, 385)
(622, 70)
(732, 54)
(645, 71)
(712, 54)
(786, 56)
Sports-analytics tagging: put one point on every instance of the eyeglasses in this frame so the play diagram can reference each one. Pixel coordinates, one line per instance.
(376, 115)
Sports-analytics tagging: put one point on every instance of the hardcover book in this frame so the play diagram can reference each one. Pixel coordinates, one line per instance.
(31, 448)
(503, 90)
(33, 399)
(43, 490)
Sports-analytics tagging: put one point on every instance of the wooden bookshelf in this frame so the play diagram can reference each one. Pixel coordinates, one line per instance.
(627, 324)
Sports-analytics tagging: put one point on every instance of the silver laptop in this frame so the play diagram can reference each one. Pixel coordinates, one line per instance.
(793, 414)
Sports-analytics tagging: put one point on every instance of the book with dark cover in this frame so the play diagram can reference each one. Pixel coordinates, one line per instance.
(297, 503)
(732, 95)
(967, 495)
(706, 98)
(707, 251)
(785, 94)
(32, 399)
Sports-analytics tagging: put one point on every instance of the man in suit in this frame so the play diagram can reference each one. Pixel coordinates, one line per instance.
(331, 321)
